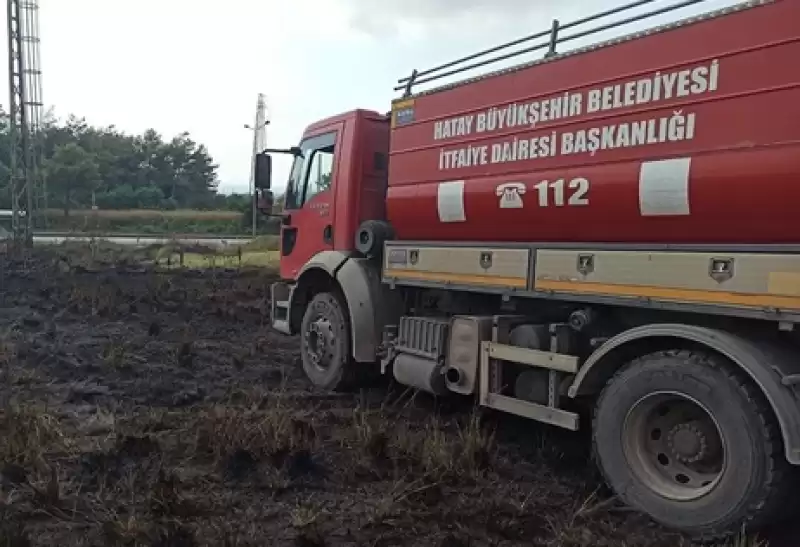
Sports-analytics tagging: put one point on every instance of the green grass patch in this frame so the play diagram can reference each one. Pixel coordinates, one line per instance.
(221, 260)
(152, 222)
(128, 214)
(262, 243)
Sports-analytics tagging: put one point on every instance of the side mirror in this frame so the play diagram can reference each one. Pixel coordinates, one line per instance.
(263, 172)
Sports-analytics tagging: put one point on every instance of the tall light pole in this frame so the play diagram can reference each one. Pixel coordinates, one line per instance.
(259, 129)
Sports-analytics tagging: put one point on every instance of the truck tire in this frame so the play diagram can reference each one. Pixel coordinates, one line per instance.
(681, 437)
(325, 344)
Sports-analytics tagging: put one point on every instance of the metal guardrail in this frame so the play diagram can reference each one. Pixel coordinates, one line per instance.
(554, 38)
(175, 235)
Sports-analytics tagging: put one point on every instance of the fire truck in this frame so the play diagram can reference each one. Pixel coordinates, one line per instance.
(606, 237)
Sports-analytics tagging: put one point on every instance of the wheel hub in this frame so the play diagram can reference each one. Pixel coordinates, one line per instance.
(319, 342)
(674, 445)
(687, 443)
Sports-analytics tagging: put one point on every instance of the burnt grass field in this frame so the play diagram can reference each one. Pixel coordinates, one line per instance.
(156, 408)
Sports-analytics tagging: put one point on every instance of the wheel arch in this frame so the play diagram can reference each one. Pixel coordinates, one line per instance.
(765, 363)
(317, 275)
(370, 304)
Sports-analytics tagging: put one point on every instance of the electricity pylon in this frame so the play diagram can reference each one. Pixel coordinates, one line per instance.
(27, 185)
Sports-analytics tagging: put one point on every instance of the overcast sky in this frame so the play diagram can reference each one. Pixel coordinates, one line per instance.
(198, 65)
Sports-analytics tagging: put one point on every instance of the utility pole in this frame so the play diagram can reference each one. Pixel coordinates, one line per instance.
(27, 186)
(259, 129)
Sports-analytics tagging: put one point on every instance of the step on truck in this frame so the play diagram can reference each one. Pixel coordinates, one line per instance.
(605, 237)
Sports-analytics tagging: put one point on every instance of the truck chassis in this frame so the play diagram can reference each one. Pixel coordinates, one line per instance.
(690, 380)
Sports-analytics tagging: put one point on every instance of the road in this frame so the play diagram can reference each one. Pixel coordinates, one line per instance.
(211, 241)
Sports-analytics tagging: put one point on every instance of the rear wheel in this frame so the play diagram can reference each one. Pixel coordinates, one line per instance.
(679, 436)
(325, 344)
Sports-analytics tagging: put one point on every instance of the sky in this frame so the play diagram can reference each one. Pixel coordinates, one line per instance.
(198, 66)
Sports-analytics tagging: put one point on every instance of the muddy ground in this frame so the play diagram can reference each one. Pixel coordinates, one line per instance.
(156, 408)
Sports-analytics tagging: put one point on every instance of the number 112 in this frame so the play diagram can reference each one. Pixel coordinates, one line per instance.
(579, 188)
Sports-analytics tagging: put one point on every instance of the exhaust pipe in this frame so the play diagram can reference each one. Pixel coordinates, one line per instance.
(454, 376)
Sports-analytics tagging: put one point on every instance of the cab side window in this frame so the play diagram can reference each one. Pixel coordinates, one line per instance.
(294, 189)
(320, 171)
(312, 173)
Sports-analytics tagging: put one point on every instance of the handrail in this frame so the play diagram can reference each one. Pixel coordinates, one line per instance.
(553, 36)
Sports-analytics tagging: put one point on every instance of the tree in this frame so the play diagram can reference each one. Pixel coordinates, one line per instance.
(73, 174)
(119, 170)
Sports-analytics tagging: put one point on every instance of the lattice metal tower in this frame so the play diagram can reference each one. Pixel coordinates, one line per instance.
(28, 192)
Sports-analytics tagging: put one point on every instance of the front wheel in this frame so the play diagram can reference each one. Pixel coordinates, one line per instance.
(679, 436)
(325, 344)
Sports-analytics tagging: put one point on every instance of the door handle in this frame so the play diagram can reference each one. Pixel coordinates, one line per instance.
(327, 234)
(286, 220)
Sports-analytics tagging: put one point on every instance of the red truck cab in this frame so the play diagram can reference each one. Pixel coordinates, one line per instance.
(337, 180)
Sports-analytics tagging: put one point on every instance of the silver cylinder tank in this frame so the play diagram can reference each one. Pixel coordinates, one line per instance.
(424, 374)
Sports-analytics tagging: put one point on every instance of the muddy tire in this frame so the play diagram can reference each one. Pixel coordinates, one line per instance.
(325, 344)
(680, 436)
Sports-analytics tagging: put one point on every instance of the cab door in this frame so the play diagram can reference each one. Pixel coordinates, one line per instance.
(307, 227)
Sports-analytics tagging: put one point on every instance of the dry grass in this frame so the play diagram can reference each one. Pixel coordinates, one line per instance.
(177, 418)
(268, 430)
(263, 243)
(28, 434)
(147, 214)
(100, 253)
(228, 258)
(8, 349)
(743, 540)
(442, 472)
